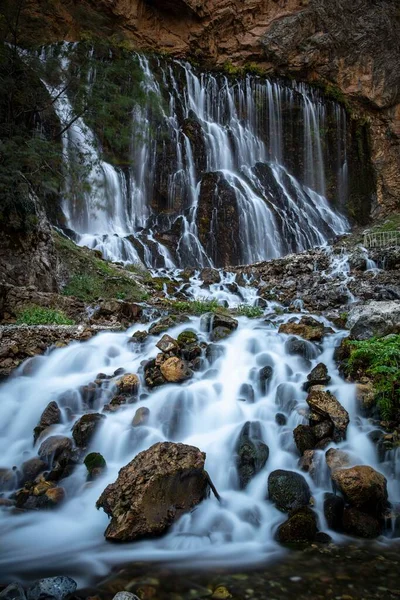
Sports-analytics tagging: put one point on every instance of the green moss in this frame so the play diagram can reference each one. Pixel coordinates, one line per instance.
(391, 223)
(379, 358)
(187, 337)
(94, 460)
(41, 315)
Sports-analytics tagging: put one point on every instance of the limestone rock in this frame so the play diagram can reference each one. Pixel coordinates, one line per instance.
(167, 344)
(55, 588)
(374, 319)
(154, 490)
(337, 459)
(54, 447)
(318, 376)
(141, 417)
(128, 384)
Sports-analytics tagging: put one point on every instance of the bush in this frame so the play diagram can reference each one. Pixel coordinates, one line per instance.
(40, 315)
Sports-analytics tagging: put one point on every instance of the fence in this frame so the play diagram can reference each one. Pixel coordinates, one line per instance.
(381, 239)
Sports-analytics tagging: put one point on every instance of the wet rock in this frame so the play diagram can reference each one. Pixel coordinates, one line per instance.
(167, 344)
(56, 447)
(323, 430)
(304, 438)
(296, 347)
(265, 375)
(187, 337)
(152, 374)
(214, 352)
(210, 276)
(301, 526)
(128, 384)
(246, 393)
(95, 464)
(141, 417)
(252, 453)
(175, 370)
(280, 419)
(31, 469)
(220, 333)
(333, 511)
(14, 591)
(8, 479)
(50, 416)
(326, 405)
(366, 398)
(85, 428)
(125, 596)
(166, 323)
(318, 376)
(308, 328)
(221, 320)
(139, 337)
(363, 488)
(53, 497)
(153, 490)
(337, 459)
(360, 524)
(307, 462)
(374, 319)
(288, 490)
(56, 588)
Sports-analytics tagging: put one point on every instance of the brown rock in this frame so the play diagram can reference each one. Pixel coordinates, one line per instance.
(307, 462)
(175, 370)
(337, 459)
(84, 429)
(360, 524)
(154, 490)
(141, 416)
(366, 398)
(31, 469)
(55, 496)
(54, 447)
(304, 438)
(128, 384)
(308, 328)
(50, 416)
(326, 405)
(167, 344)
(363, 488)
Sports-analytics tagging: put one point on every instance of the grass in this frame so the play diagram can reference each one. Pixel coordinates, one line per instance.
(196, 307)
(252, 312)
(379, 358)
(90, 277)
(391, 223)
(40, 315)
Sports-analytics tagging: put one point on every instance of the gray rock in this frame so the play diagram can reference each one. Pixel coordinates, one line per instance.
(125, 596)
(14, 591)
(52, 587)
(374, 319)
(288, 490)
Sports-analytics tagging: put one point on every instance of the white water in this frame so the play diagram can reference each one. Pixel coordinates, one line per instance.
(205, 412)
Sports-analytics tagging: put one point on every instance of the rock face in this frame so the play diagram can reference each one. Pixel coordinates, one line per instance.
(328, 407)
(288, 490)
(363, 487)
(375, 319)
(154, 490)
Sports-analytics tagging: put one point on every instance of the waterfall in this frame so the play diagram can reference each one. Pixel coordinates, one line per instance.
(266, 140)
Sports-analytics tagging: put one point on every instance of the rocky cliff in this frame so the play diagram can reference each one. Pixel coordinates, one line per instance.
(352, 49)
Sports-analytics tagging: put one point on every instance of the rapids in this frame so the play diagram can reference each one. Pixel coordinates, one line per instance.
(206, 412)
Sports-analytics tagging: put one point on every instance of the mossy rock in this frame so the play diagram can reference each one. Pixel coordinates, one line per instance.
(93, 461)
(187, 337)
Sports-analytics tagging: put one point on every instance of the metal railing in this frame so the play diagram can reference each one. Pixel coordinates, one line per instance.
(382, 239)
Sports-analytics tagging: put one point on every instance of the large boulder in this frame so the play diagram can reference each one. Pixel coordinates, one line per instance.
(56, 447)
(363, 488)
(288, 490)
(374, 319)
(166, 323)
(30, 469)
(175, 370)
(252, 453)
(308, 328)
(50, 416)
(85, 428)
(300, 527)
(128, 384)
(337, 459)
(360, 524)
(154, 490)
(333, 511)
(328, 407)
(304, 438)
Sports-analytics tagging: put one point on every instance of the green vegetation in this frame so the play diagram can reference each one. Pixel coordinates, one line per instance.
(41, 315)
(379, 358)
(196, 307)
(245, 310)
(90, 277)
(391, 223)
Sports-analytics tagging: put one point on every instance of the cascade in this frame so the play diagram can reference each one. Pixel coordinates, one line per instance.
(217, 157)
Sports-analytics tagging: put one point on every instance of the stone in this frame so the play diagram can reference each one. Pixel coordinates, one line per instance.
(308, 328)
(14, 591)
(139, 337)
(363, 488)
(360, 524)
(167, 344)
(296, 347)
(50, 416)
(264, 376)
(333, 511)
(220, 333)
(56, 588)
(210, 276)
(301, 526)
(95, 464)
(85, 428)
(188, 336)
(288, 490)
(54, 496)
(326, 405)
(54, 448)
(30, 469)
(280, 419)
(175, 370)
(128, 384)
(337, 459)
(166, 323)
(141, 417)
(154, 490)
(318, 376)
(304, 438)
(214, 352)
(246, 393)
(125, 596)
(374, 319)
(252, 453)
(307, 462)
(366, 398)
(226, 321)
(323, 430)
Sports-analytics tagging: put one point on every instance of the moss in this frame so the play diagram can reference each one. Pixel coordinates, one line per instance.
(187, 337)
(94, 460)
(41, 315)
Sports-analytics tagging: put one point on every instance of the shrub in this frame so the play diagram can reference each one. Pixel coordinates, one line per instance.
(40, 315)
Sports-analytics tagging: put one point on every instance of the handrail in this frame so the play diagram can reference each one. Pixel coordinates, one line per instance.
(381, 239)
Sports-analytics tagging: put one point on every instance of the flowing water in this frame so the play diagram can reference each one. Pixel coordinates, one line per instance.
(207, 411)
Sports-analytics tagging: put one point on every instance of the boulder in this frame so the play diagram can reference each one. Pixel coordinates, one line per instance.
(333, 511)
(246, 393)
(363, 488)
(187, 337)
(14, 591)
(366, 398)
(84, 429)
(154, 490)
(222, 320)
(214, 352)
(175, 370)
(374, 319)
(56, 588)
(128, 384)
(360, 524)
(56, 447)
(95, 464)
(141, 417)
(328, 407)
(252, 453)
(288, 490)
(337, 459)
(167, 344)
(31, 469)
(304, 438)
(318, 376)
(301, 526)
(280, 419)
(125, 596)
(296, 347)
(50, 416)
(323, 430)
(308, 328)
(220, 333)
(307, 462)
(166, 323)
(265, 375)
(210, 276)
